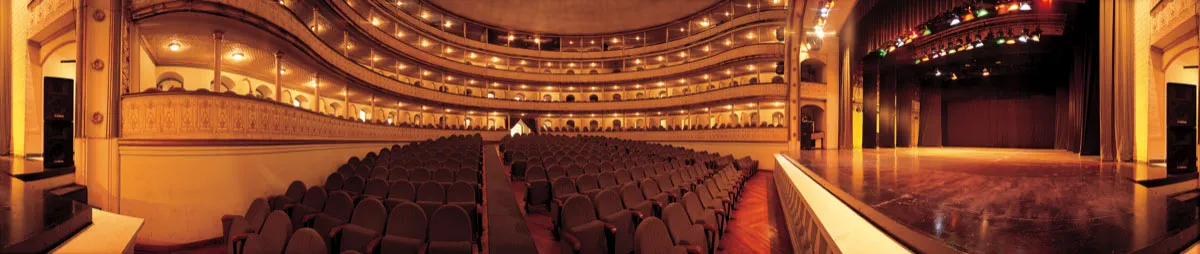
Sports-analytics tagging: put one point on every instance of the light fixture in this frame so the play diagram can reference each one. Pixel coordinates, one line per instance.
(495, 59)
(682, 54)
(728, 42)
(986, 72)
(449, 50)
(937, 72)
(1026, 7)
(750, 35)
(953, 76)
(704, 23)
(955, 20)
(637, 61)
(375, 21)
(659, 58)
(282, 71)
(511, 37)
(173, 46)
(472, 55)
(522, 62)
(615, 40)
(425, 15)
(448, 24)
(706, 48)
(399, 3)
(750, 67)
(572, 65)
(547, 64)
(238, 56)
(592, 65)
(637, 38)
(424, 43)
(401, 66)
(425, 73)
(399, 34)
(1037, 35)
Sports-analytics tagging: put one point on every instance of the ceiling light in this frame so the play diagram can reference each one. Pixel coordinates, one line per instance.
(572, 65)
(511, 37)
(547, 64)
(728, 42)
(425, 73)
(471, 55)
(592, 65)
(729, 72)
(615, 40)
(424, 43)
(375, 21)
(448, 24)
(399, 3)
(660, 83)
(750, 67)
(637, 38)
(282, 71)
(495, 59)
(401, 66)
(659, 58)
(593, 42)
(637, 61)
(425, 15)
(682, 54)
(704, 23)
(449, 50)
(522, 62)
(238, 56)
(449, 78)
(1026, 7)
(399, 34)
(706, 48)
(750, 35)
(174, 46)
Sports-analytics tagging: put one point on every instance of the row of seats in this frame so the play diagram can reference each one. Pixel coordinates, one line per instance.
(660, 128)
(366, 207)
(599, 191)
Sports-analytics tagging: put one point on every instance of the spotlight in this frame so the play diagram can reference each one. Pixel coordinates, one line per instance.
(937, 73)
(953, 76)
(986, 72)
(1037, 35)
(1026, 7)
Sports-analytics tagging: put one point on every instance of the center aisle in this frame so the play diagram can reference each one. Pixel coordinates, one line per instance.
(507, 231)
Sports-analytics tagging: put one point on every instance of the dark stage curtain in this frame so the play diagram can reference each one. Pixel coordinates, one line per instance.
(1001, 122)
(1078, 123)
(931, 114)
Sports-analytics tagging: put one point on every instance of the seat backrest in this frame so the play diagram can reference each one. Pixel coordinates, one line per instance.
(563, 186)
(354, 184)
(339, 205)
(466, 175)
(407, 220)
(607, 179)
(402, 190)
(652, 236)
(587, 182)
(431, 191)
(276, 231)
(334, 181)
(450, 223)
(376, 187)
(295, 191)
(680, 225)
(631, 195)
(575, 170)
(706, 197)
(691, 203)
(256, 214)
(577, 210)
(461, 192)
(443, 175)
(315, 198)
(370, 214)
(650, 188)
(419, 175)
(380, 172)
(555, 172)
(397, 173)
(345, 170)
(306, 241)
(608, 202)
(362, 170)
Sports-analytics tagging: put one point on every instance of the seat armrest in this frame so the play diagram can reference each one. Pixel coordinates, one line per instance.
(610, 227)
(308, 219)
(373, 246)
(692, 249)
(572, 240)
(238, 243)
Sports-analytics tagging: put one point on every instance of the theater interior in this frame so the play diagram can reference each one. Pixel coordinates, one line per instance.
(606, 127)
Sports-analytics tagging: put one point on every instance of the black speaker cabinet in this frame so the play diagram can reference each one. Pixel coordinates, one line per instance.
(1181, 128)
(58, 107)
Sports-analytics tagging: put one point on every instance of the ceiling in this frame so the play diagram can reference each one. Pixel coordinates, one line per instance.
(574, 17)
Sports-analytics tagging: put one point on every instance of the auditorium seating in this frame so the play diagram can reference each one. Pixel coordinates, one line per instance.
(599, 190)
(658, 127)
(422, 197)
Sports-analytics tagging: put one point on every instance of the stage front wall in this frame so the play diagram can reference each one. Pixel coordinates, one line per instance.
(995, 113)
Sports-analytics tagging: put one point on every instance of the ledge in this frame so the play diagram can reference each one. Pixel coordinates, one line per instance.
(744, 135)
(208, 117)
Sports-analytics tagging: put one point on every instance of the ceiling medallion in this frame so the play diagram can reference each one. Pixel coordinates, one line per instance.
(97, 118)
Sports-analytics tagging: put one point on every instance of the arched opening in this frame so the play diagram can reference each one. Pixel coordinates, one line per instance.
(711, 87)
(753, 80)
(812, 70)
(443, 89)
(777, 118)
(616, 124)
(547, 124)
(662, 94)
(777, 80)
(639, 123)
(570, 98)
(491, 95)
(467, 122)
(58, 57)
(616, 97)
(169, 81)
(593, 97)
(262, 91)
(391, 118)
(442, 121)
(227, 84)
(417, 119)
(299, 101)
(662, 123)
(519, 97)
(754, 119)
(571, 72)
(639, 96)
(571, 123)
(687, 90)
(593, 72)
(547, 97)
(594, 124)
(467, 92)
(491, 123)
(362, 115)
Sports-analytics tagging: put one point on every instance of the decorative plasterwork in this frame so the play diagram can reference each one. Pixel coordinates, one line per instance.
(715, 135)
(211, 116)
(1166, 12)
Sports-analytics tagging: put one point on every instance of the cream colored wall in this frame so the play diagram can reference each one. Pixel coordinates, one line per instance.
(183, 191)
(147, 71)
(1175, 73)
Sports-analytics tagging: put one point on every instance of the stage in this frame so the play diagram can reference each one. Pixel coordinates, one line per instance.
(984, 200)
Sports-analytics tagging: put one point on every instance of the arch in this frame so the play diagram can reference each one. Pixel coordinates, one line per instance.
(638, 123)
(442, 121)
(467, 92)
(616, 123)
(734, 83)
(639, 96)
(814, 114)
(594, 124)
(812, 70)
(547, 124)
(546, 71)
(416, 83)
(571, 72)
(777, 118)
(571, 123)
(299, 101)
(547, 97)
(520, 69)
(734, 118)
(169, 80)
(491, 95)
(491, 123)
(408, 117)
(443, 89)
(467, 122)
(391, 117)
(687, 90)
(593, 97)
(227, 83)
(753, 80)
(593, 72)
(640, 68)
(519, 97)
(662, 94)
(1175, 73)
(616, 97)
(262, 91)
(662, 123)
(777, 80)
(753, 119)
(711, 87)
(570, 98)
(416, 119)
(333, 107)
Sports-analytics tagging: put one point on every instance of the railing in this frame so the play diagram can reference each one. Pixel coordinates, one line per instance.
(430, 18)
(224, 116)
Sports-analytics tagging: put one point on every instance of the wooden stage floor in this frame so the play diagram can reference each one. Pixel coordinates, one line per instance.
(984, 200)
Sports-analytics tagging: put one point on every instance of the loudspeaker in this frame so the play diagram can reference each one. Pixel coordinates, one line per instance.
(58, 108)
(1181, 128)
(779, 68)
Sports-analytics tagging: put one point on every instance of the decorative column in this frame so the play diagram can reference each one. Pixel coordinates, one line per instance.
(279, 76)
(316, 106)
(218, 36)
(346, 101)
(372, 107)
